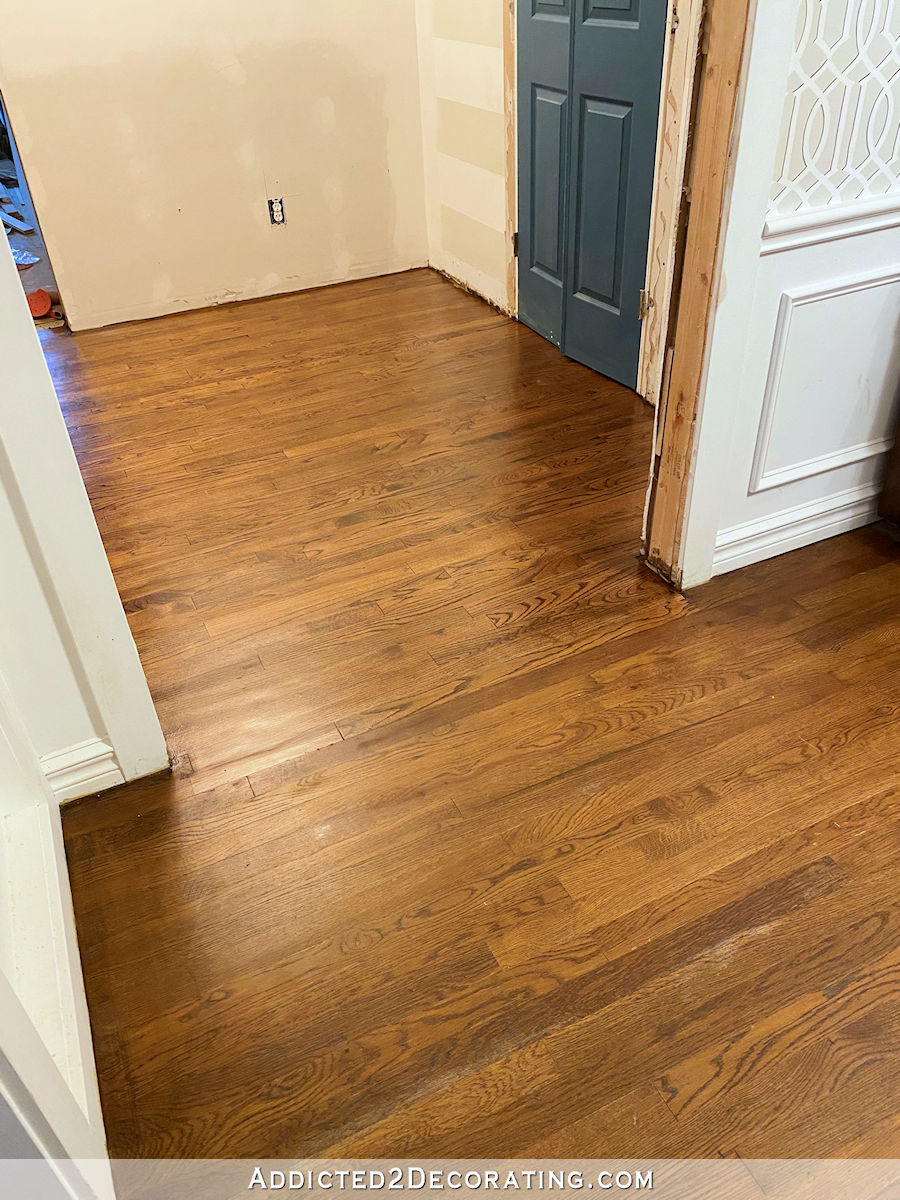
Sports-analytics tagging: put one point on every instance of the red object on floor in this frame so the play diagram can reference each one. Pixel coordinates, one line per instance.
(39, 303)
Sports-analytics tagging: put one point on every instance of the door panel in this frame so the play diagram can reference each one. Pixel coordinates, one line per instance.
(549, 123)
(543, 73)
(616, 80)
(601, 189)
(589, 82)
(615, 10)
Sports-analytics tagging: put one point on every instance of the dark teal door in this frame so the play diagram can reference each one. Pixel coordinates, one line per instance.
(589, 76)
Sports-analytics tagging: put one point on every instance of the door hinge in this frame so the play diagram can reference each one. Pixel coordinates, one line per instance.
(516, 244)
(645, 303)
(676, 21)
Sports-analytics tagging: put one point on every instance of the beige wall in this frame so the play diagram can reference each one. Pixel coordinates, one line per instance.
(153, 133)
(464, 71)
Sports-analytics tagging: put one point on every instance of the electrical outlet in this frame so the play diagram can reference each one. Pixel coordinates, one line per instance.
(276, 210)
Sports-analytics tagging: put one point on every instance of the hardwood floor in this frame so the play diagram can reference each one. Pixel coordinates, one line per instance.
(481, 841)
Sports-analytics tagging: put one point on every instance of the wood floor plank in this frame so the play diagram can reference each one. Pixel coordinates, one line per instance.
(479, 840)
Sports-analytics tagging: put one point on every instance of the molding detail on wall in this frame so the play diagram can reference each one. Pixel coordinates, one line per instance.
(825, 462)
(82, 770)
(841, 121)
(762, 479)
(816, 227)
(752, 541)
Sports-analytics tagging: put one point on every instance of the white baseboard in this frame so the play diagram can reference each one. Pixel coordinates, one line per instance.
(795, 527)
(81, 770)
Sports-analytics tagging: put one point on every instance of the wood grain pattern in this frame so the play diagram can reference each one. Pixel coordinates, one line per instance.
(481, 840)
(679, 71)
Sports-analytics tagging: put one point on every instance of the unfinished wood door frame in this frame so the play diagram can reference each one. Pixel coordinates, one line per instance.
(679, 73)
(709, 174)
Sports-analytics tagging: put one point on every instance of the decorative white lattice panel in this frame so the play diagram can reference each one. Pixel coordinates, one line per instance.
(840, 137)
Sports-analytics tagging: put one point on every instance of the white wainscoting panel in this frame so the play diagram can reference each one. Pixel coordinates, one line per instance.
(833, 378)
(817, 389)
(803, 380)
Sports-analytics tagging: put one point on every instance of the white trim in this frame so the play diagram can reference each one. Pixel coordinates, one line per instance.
(43, 487)
(47, 1074)
(816, 226)
(743, 544)
(81, 770)
(762, 480)
(824, 462)
(767, 58)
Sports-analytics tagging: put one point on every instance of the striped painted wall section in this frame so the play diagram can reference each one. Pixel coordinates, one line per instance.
(464, 69)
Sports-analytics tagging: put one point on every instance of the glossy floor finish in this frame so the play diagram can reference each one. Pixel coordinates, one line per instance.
(481, 840)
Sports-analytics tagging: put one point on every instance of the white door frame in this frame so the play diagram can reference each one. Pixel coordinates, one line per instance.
(47, 1073)
(116, 736)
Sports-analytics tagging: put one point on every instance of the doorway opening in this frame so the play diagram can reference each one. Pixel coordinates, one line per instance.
(23, 232)
(588, 102)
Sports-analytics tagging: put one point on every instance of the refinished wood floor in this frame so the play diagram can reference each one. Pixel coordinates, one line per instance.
(481, 840)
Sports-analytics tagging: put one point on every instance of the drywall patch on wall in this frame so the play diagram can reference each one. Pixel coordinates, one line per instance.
(471, 241)
(472, 190)
(469, 166)
(469, 74)
(473, 135)
(477, 21)
(152, 178)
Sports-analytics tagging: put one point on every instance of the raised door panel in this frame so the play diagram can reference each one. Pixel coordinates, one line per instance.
(603, 158)
(612, 11)
(548, 149)
(543, 32)
(615, 92)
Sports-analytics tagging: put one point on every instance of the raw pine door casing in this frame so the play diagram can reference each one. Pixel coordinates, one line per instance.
(586, 180)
